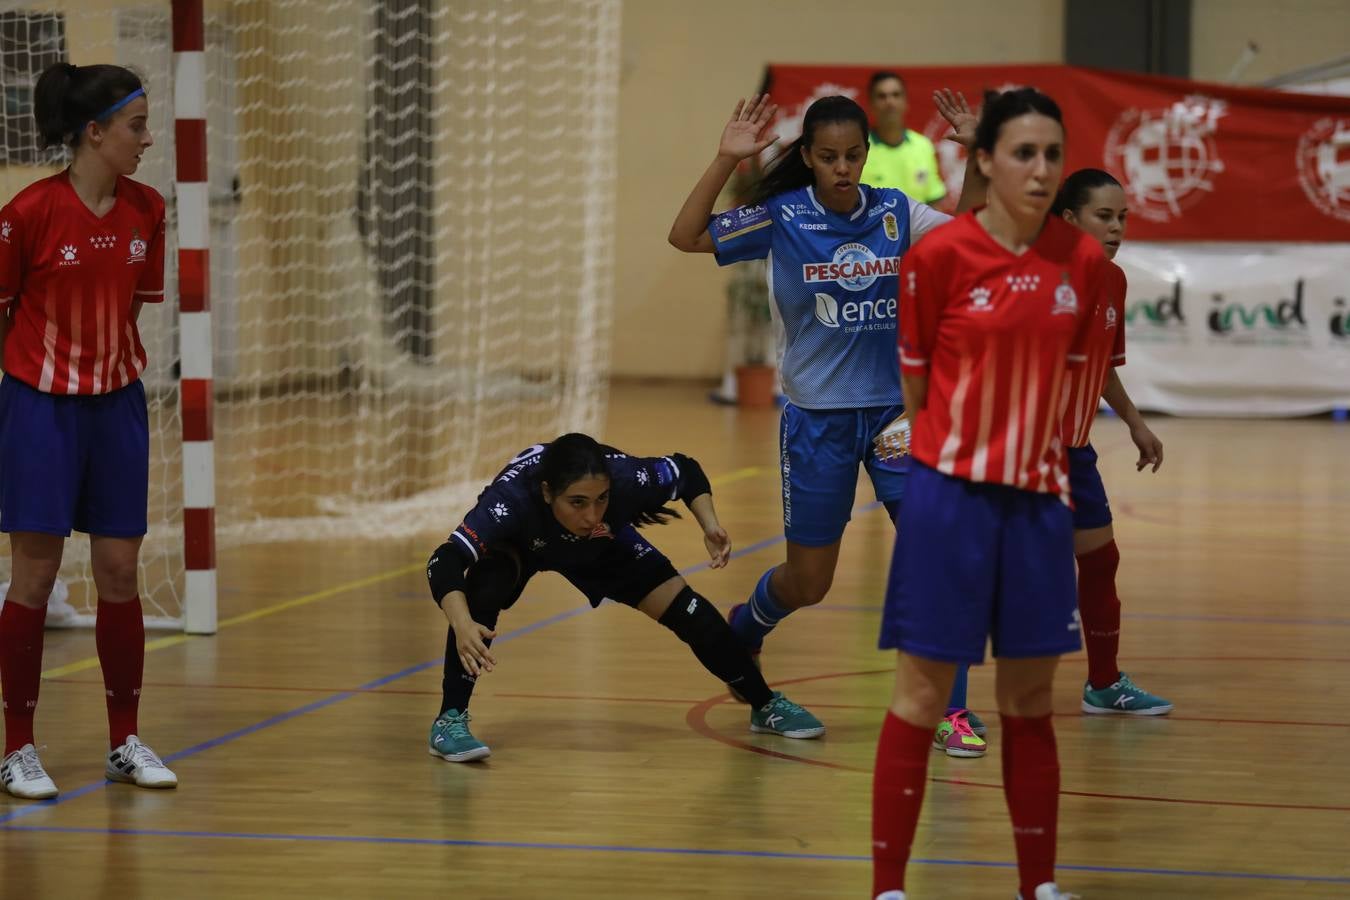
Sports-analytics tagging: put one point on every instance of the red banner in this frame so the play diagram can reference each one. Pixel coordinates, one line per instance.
(1199, 161)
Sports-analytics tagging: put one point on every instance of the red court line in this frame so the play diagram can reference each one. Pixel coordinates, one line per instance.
(697, 721)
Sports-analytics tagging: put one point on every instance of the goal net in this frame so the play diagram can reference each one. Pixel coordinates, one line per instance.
(411, 223)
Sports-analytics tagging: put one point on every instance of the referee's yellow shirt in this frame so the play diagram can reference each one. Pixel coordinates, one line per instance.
(910, 166)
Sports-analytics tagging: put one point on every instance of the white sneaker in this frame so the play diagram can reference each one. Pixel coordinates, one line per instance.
(1051, 891)
(892, 895)
(23, 775)
(135, 763)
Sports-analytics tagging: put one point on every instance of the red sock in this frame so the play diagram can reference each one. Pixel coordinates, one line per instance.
(1100, 608)
(1031, 787)
(897, 797)
(119, 633)
(20, 670)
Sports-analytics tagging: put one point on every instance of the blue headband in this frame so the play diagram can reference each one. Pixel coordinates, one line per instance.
(107, 113)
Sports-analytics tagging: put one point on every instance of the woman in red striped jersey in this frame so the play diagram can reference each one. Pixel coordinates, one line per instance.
(995, 310)
(1095, 202)
(80, 252)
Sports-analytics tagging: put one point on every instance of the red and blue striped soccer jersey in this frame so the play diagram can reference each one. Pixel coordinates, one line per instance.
(69, 279)
(996, 334)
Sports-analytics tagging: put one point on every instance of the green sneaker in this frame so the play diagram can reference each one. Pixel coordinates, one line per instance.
(450, 738)
(781, 716)
(1124, 698)
(955, 737)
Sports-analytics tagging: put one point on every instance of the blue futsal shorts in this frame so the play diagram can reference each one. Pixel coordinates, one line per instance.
(976, 562)
(821, 450)
(1090, 509)
(74, 462)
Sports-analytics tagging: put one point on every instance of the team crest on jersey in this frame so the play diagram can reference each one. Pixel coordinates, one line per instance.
(892, 227)
(601, 531)
(5, 229)
(1066, 300)
(1111, 316)
(854, 268)
(137, 247)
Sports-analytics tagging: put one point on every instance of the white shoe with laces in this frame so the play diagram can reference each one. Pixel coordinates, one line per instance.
(23, 775)
(891, 895)
(1051, 891)
(135, 763)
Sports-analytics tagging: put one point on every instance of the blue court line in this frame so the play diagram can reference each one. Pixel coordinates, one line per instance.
(7, 819)
(666, 851)
(330, 700)
(67, 796)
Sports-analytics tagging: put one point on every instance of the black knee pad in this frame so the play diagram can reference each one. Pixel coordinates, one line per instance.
(693, 618)
(495, 582)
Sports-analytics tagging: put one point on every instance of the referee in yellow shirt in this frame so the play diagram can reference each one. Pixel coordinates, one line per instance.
(898, 157)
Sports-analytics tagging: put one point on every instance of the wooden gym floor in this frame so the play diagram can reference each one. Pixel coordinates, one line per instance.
(620, 770)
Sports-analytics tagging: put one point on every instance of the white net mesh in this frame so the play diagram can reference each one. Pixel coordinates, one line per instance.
(411, 227)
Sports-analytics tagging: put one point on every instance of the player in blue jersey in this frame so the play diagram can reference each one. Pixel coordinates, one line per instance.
(573, 506)
(834, 248)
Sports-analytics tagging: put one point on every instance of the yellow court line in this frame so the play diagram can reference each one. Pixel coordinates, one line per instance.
(91, 662)
(737, 475)
(176, 639)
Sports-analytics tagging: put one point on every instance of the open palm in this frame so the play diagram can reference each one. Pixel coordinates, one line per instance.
(746, 134)
(957, 112)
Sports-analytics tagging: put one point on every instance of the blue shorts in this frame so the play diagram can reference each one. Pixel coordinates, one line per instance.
(821, 450)
(977, 561)
(74, 462)
(1090, 509)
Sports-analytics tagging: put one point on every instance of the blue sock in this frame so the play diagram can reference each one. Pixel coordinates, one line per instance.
(758, 615)
(958, 698)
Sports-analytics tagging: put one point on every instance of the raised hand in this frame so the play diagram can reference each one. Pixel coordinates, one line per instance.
(955, 109)
(745, 134)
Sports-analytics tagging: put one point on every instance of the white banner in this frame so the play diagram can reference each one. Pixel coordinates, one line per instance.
(1237, 329)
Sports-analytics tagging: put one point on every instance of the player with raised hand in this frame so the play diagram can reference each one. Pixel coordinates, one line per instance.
(1095, 202)
(834, 247)
(573, 506)
(80, 252)
(996, 308)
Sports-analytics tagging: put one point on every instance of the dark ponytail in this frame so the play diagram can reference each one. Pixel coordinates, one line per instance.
(790, 171)
(68, 97)
(1077, 189)
(570, 458)
(998, 109)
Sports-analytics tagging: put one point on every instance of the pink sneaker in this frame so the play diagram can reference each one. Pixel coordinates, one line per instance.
(955, 737)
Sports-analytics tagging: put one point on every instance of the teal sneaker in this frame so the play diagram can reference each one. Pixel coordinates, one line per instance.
(781, 716)
(1124, 698)
(976, 724)
(450, 738)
